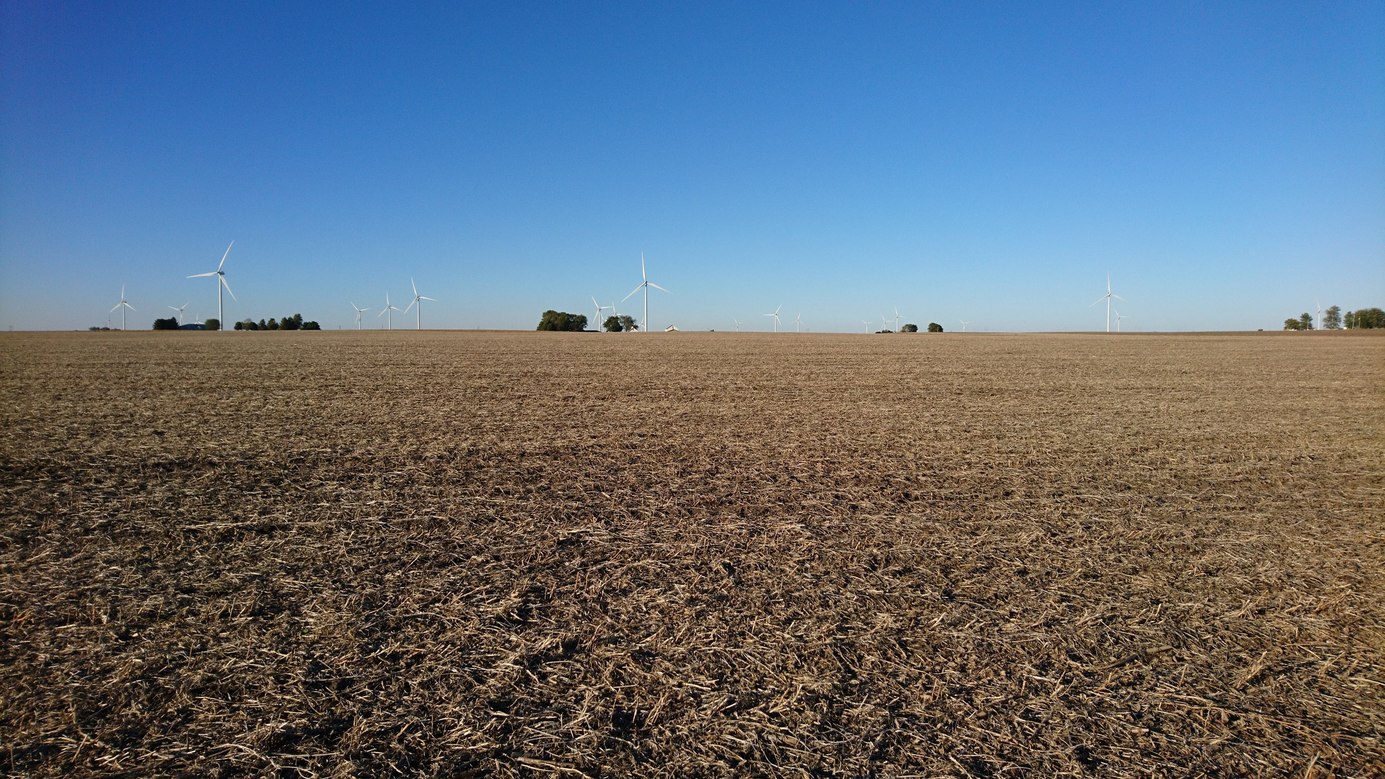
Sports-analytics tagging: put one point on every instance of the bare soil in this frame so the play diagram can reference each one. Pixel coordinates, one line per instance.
(521, 554)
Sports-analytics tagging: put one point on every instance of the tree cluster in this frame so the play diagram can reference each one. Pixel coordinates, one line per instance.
(934, 327)
(563, 321)
(1334, 319)
(620, 324)
(170, 323)
(294, 322)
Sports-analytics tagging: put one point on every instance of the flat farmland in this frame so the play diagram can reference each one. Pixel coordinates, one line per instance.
(525, 554)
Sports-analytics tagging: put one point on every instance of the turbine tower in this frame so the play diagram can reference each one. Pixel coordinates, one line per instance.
(644, 285)
(775, 314)
(418, 325)
(122, 305)
(388, 309)
(1107, 297)
(359, 311)
(221, 282)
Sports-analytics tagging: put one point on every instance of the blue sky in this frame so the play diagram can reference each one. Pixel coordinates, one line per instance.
(1225, 162)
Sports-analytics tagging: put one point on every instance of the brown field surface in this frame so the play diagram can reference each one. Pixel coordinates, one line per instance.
(521, 554)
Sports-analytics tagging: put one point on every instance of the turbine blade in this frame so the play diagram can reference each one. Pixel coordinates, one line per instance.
(642, 273)
(223, 257)
(415, 286)
(1094, 302)
(227, 285)
(425, 297)
(410, 306)
(632, 293)
(127, 305)
(1118, 297)
(656, 286)
(202, 275)
(117, 306)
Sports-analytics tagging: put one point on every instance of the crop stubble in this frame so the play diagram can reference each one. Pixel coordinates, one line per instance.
(695, 555)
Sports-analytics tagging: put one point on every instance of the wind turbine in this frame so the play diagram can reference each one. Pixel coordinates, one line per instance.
(122, 305)
(964, 324)
(775, 314)
(738, 323)
(644, 285)
(798, 323)
(386, 310)
(885, 323)
(418, 324)
(221, 282)
(896, 318)
(599, 309)
(179, 309)
(1119, 317)
(359, 311)
(866, 322)
(1107, 297)
(1317, 303)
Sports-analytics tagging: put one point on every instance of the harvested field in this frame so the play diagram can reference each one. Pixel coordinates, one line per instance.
(528, 554)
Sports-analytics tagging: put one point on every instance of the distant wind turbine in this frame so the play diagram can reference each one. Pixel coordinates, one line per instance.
(599, 309)
(388, 309)
(738, 323)
(896, 318)
(775, 314)
(645, 284)
(179, 309)
(418, 325)
(964, 324)
(1318, 303)
(1107, 297)
(122, 305)
(221, 282)
(359, 311)
(798, 323)
(866, 322)
(1119, 317)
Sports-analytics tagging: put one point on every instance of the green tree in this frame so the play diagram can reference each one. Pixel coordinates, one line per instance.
(311, 324)
(909, 328)
(273, 324)
(212, 324)
(170, 323)
(1305, 321)
(613, 324)
(1332, 318)
(1292, 323)
(562, 321)
(934, 327)
(291, 322)
(628, 323)
(263, 324)
(1369, 319)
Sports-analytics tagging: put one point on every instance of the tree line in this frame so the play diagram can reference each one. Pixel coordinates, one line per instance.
(562, 321)
(1335, 319)
(294, 322)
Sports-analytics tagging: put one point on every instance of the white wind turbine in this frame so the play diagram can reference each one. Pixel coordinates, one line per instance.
(1119, 317)
(359, 311)
(775, 314)
(1318, 303)
(1107, 297)
(798, 323)
(388, 309)
(122, 305)
(418, 324)
(599, 309)
(738, 323)
(179, 309)
(220, 282)
(885, 323)
(896, 318)
(965, 323)
(644, 285)
(866, 322)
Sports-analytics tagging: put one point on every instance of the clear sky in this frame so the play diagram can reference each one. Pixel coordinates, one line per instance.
(1224, 162)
